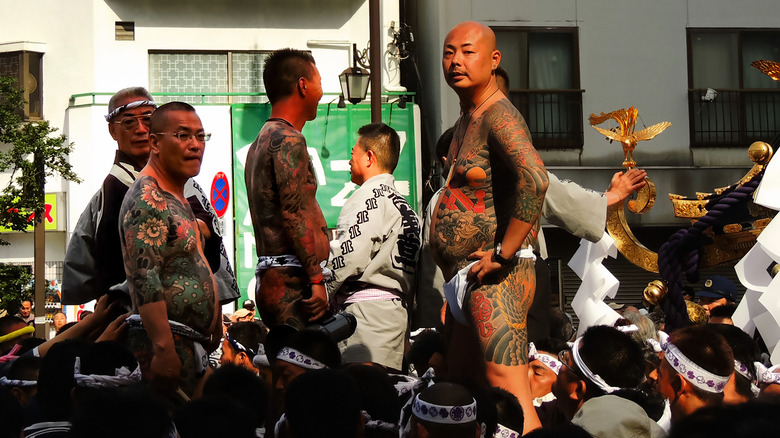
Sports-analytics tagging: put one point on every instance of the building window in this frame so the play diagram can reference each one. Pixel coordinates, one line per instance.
(26, 67)
(200, 74)
(544, 82)
(742, 104)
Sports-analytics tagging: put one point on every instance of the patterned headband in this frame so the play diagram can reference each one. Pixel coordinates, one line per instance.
(130, 105)
(4, 381)
(122, 377)
(767, 376)
(595, 378)
(549, 361)
(238, 346)
(295, 357)
(444, 414)
(743, 371)
(698, 376)
(505, 432)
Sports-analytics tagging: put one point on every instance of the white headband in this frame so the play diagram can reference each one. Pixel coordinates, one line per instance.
(4, 381)
(505, 432)
(743, 371)
(444, 414)
(595, 378)
(767, 375)
(130, 105)
(549, 361)
(261, 358)
(295, 357)
(698, 376)
(122, 377)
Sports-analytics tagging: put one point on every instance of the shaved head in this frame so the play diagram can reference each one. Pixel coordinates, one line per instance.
(479, 31)
(469, 60)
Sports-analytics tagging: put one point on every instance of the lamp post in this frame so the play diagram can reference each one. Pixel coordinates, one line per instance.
(354, 80)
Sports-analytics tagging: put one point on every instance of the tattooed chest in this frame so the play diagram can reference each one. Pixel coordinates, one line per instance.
(464, 218)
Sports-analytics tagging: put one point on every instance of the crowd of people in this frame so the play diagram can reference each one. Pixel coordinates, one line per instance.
(325, 348)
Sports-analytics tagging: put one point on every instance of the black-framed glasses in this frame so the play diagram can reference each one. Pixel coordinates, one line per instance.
(184, 136)
(562, 359)
(129, 123)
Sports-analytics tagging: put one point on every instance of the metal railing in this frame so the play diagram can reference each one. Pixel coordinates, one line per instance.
(733, 117)
(554, 117)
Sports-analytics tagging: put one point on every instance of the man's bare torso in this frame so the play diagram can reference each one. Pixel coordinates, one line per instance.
(285, 215)
(480, 195)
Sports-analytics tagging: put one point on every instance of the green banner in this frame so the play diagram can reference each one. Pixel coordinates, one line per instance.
(330, 138)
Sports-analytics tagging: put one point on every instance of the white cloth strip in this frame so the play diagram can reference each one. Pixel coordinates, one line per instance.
(4, 381)
(698, 376)
(130, 105)
(505, 432)
(595, 378)
(549, 361)
(295, 357)
(444, 414)
(122, 377)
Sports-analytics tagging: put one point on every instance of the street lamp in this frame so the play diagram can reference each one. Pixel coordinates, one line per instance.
(354, 80)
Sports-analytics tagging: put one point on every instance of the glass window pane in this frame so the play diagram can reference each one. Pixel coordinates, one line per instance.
(714, 60)
(755, 46)
(189, 73)
(248, 76)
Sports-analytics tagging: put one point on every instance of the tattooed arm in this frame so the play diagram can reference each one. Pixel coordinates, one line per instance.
(509, 138)
(302, 217)
(144, 233)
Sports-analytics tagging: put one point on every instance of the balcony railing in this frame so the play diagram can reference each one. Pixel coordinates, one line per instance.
(733, 117)
(554, 117)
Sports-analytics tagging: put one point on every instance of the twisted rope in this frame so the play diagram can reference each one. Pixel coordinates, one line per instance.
(684, 248)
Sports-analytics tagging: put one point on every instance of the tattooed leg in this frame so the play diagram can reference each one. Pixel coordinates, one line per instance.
(500, 314)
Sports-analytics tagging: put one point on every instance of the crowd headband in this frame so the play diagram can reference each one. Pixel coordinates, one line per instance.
(743, 371)
(698, 376)
(130, 105)
(444, 414)
(238, 346)
(505, 432)
(295, 357)
(16, 333)
(595, 378)
(549, 361)
(122, 377)
(4, 381)
(261, 358)
(767, 375)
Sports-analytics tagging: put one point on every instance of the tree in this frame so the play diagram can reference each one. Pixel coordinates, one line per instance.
(15, 286)
(33, 155)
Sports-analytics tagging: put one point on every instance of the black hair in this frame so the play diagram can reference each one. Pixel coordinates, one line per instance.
(214, 416)
(242, 386)
(378, 395)
(383, 141)
(160, 116)
(55, 379)
(509, 413)
(424, 346)
(709, 351)
(725, 311)
(614, 356)
(308, 416)
(127, 412)
(282, 70)
(744, 349)
(247, 333)
(744, 420)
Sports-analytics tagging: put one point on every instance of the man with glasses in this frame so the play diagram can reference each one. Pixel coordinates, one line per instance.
(93, 261)
(176, 313)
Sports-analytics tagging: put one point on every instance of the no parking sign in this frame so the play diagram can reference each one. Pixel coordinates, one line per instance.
(220, 193)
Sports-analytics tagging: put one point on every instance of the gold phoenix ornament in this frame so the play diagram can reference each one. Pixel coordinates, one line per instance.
(625, 134)
(769, 68)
